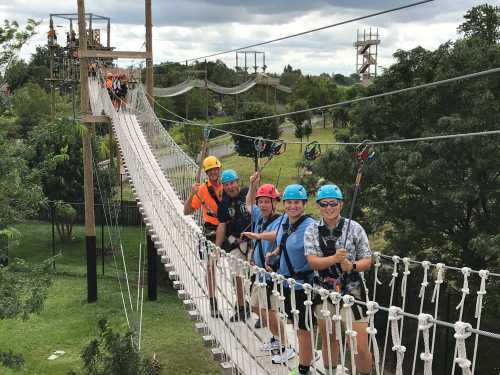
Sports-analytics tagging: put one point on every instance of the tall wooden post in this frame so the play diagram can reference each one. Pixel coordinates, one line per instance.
(52, 78)
(90, 236)
(149, 52)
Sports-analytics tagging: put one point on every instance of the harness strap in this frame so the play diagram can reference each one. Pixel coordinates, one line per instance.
(287, 231)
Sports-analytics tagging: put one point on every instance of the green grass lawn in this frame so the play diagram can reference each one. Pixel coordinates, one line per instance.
(68, 322)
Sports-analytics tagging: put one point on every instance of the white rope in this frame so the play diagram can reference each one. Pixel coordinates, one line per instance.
(483, 274)
(423, 286)
(350, 332)
(335, 297)
(325, 315)
(424, 325)
(466, 271)
(395, 314)
(372, 308)
(395, 259)
(435, 297)
(308, 303)
(462, 332)
(404, 284)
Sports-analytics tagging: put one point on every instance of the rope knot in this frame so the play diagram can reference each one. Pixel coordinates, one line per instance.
(395, 313)
(426, 357)
(372, 307)
(291, 282)
(463, 363)
(462, 330)
(399, 348)
(348, 300)
(336, 297)
(425, 321)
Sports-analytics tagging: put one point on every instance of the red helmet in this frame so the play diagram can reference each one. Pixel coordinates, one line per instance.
(267, 190)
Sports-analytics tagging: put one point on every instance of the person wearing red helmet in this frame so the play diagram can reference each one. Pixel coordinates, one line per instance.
(261, 203)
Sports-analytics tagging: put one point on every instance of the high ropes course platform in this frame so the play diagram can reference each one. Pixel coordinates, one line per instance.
(161, 188)
(188, 85)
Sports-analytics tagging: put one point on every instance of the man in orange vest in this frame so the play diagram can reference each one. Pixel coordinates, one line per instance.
(207, 196)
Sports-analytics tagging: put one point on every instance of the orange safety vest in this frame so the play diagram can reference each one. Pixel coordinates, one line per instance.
(207, 203)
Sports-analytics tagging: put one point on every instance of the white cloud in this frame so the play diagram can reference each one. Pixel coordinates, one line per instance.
(190, 29)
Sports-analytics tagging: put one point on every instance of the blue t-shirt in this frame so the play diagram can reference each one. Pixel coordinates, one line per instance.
(257, 226)
(295, 250)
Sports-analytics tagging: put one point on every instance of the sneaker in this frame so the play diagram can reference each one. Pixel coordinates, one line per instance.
(295, 371)
(271, 345)
(286, 354)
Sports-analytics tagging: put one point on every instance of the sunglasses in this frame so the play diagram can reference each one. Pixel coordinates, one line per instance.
(326, 204)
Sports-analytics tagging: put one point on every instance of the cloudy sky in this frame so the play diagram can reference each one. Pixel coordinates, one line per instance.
(192, 28)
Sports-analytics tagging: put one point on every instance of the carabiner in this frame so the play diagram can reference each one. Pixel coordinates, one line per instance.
(260, 145)
(365, 151)
(206, 133)
(312, 151)
(278, 148)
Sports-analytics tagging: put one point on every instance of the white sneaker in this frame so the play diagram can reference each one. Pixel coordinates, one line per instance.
(286, 355)
(273, 344)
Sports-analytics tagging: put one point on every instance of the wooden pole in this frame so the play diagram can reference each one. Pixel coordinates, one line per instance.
(149, 52)
(52, 86)
(90, 236)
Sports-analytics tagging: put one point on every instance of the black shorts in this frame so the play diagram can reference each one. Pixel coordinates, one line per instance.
(300, 298)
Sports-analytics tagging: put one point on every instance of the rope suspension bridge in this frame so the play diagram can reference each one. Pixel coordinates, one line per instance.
(403, 298)
(162, 187)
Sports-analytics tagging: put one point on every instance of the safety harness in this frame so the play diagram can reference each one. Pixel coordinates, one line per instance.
(288, 229)
(330, 278)
(260, 227)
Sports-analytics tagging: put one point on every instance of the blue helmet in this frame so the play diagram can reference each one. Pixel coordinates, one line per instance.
(229, 175)
(329, 191)
(295, 191)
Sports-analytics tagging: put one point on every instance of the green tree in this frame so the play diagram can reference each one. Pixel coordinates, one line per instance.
(113, 353)
(482, 22)
(57, 154)
(436, 195)
(31, 105)
(267, 128)
(300, 120)
(17, 75)
(12, 39)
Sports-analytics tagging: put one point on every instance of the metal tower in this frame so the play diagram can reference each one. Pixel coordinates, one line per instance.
(366, 55)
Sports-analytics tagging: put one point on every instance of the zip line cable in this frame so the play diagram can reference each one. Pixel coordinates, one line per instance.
(306, 31)
(351, 101)
(357, 100)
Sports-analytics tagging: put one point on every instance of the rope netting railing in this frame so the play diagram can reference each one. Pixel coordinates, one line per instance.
(162, 174)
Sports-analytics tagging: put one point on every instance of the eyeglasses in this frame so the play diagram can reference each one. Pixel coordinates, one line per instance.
(326, 204)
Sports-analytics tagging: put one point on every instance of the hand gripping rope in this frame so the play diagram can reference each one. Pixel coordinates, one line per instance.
(349, 331)
(395, 314)
(483, 274)
(462, 332)
(372, 308)
(424, 325)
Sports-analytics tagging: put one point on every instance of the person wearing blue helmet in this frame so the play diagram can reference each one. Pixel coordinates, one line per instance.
(338, 268)
(293, 264)
(233, 221)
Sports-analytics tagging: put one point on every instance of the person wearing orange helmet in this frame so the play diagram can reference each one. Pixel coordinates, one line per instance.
(261, 203)
(208, 196)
